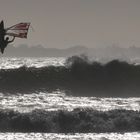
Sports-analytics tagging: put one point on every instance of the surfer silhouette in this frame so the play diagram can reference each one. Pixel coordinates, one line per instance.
(2, 34)
(19, 30)
(4, 43)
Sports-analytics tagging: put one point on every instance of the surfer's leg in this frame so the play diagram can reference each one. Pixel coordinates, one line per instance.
(2, 50)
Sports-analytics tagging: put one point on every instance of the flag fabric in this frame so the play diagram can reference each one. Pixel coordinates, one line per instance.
(19, 30)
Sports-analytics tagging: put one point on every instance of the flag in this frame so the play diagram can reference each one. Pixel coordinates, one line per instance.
(19, 30)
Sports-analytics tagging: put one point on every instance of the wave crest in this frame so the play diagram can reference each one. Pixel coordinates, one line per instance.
(79, 76)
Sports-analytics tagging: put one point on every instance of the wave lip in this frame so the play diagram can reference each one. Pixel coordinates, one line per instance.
(76, 121)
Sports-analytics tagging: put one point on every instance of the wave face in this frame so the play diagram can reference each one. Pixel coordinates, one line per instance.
(78, 76)
(76, 121)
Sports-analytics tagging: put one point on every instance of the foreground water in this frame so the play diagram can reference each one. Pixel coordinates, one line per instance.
(57, 101)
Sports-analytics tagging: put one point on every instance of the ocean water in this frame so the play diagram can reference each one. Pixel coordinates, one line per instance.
(59, 100)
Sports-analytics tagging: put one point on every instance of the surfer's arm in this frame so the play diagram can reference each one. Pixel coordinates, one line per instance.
(11, 40)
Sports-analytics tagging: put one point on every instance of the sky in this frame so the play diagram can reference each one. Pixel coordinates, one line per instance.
(66, 23)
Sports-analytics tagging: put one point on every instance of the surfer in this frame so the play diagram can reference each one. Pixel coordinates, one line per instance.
(2, 34)
(2, 30)
(19, 30)
(5, 42)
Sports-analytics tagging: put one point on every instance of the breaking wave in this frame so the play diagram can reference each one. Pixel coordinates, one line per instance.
(76, 121)
(79, 76)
